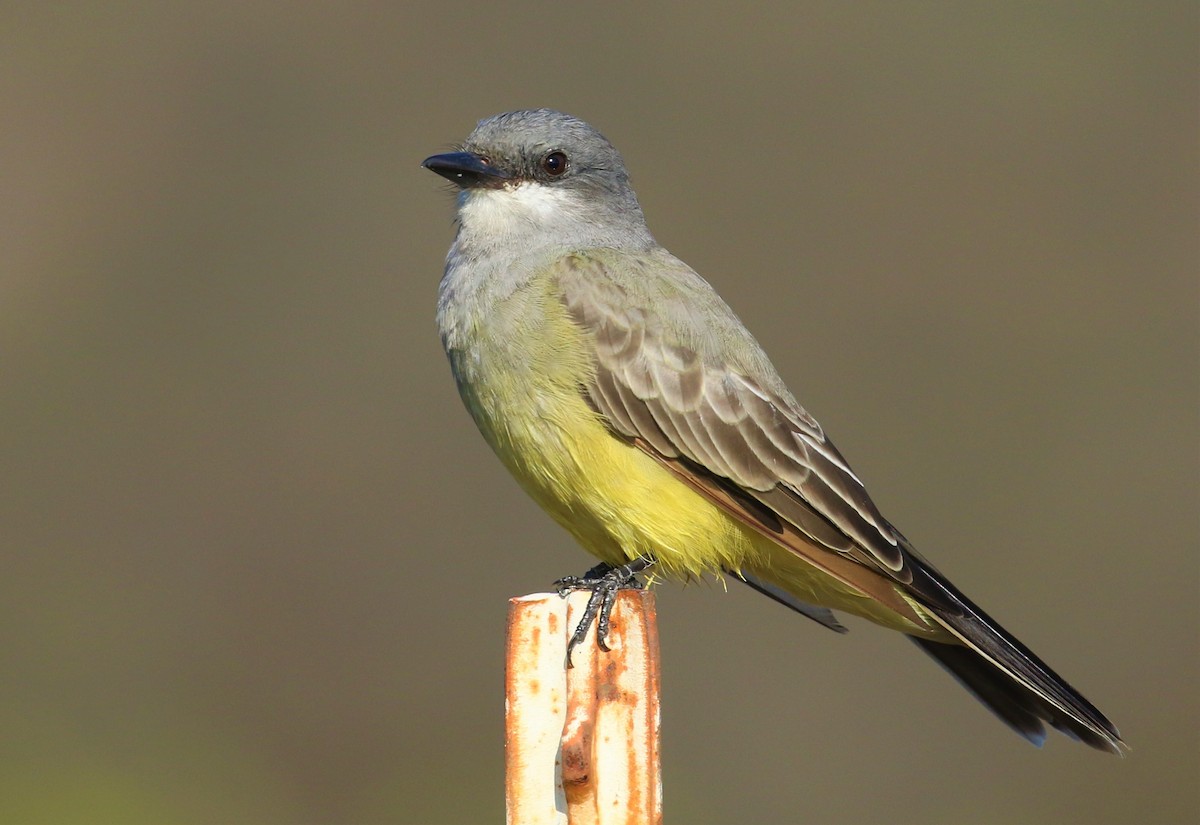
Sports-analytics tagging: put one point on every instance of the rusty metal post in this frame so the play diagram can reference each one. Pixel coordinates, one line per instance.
(582, 744)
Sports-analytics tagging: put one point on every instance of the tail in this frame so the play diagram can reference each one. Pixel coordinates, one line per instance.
(1023, 709)
(1009, 679)
(1003, 674)
(1020, 689)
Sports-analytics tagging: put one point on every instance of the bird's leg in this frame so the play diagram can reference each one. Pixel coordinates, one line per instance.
(604, 581)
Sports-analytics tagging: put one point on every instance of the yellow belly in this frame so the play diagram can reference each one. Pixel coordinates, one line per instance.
(618, 502)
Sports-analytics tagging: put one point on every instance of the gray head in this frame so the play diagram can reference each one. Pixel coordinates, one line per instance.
(528, 173)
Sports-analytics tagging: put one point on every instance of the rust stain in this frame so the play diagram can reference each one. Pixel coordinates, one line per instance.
(576, 761)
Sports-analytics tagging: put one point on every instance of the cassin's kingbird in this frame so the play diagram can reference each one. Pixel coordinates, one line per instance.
(630, 402)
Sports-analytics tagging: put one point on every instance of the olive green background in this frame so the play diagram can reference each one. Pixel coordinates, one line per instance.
(256, 557)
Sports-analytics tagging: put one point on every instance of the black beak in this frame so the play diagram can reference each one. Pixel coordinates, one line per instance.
(467, 169)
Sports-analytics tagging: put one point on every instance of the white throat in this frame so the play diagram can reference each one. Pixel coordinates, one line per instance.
(517, 210)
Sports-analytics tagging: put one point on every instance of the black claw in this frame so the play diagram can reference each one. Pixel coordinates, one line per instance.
(604, 581)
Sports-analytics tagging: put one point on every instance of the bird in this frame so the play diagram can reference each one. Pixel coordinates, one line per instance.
(631, 403)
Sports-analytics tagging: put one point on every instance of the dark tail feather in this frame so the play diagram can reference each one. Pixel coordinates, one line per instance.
(1010, 680)
(1021, 709)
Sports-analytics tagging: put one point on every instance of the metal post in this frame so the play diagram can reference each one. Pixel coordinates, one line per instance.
(582, 743)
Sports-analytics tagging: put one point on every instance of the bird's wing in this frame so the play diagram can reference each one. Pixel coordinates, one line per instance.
(751, 450)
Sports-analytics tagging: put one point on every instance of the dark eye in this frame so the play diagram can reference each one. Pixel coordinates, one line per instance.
(554, 164)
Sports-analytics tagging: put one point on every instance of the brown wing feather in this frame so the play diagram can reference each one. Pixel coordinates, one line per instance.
(753, 513)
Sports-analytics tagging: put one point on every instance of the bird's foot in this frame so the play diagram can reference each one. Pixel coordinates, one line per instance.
(604, 582)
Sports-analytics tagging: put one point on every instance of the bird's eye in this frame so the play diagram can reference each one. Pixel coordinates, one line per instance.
(554, 164)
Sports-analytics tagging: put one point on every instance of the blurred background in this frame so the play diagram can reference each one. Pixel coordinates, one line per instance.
(256, 556)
